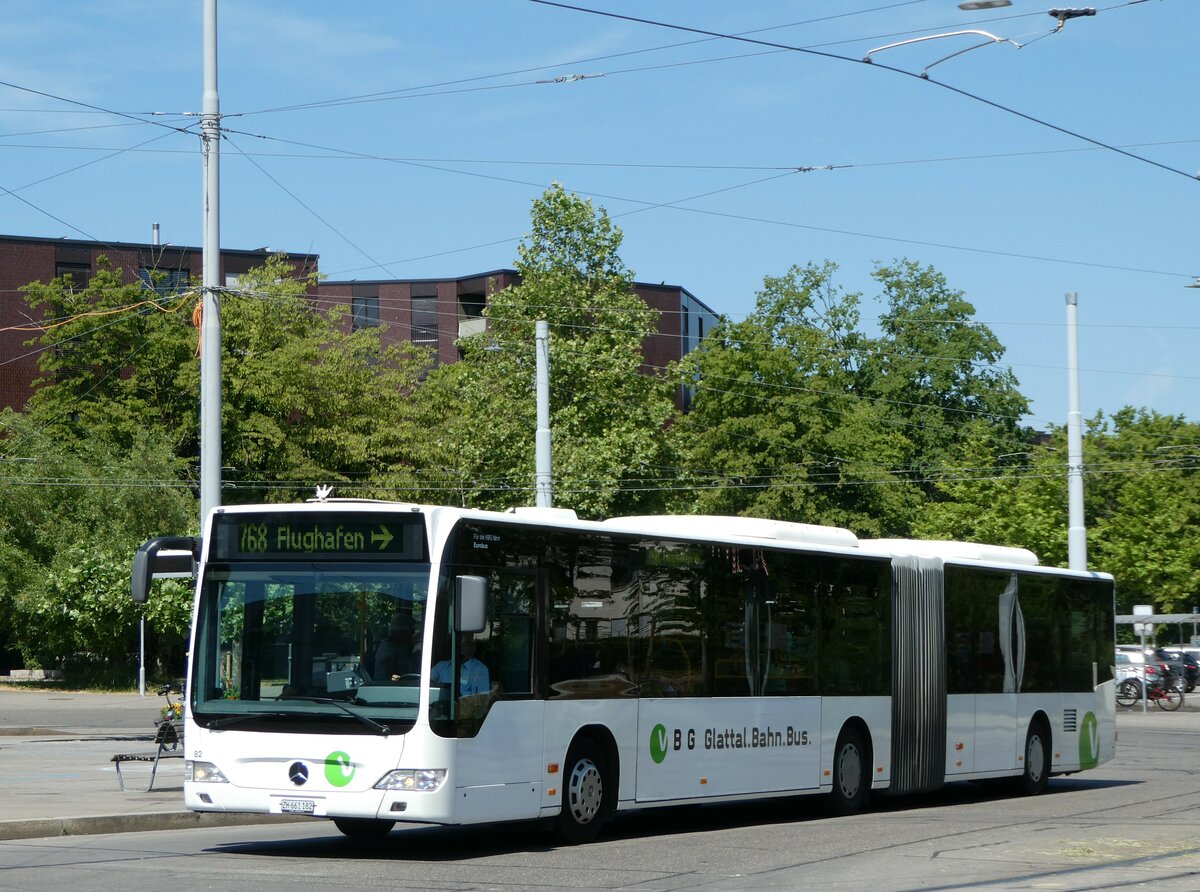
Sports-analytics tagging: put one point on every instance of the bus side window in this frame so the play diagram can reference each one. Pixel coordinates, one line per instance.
(516, 648)
(511, 645)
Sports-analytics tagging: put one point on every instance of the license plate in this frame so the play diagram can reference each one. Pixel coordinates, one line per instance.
(297, 806)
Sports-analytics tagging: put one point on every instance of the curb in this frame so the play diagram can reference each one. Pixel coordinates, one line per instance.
(174, 820)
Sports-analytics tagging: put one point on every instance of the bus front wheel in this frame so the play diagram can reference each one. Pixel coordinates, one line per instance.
(1036, 774)
(851, 772)
(585, 796)
(364, 828)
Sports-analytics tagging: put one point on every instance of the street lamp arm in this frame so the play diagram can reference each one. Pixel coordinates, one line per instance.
(991, 38)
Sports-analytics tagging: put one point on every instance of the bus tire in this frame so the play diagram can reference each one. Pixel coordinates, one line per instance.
(1036, 773)
(851, 772)
(364, 829)
(586, 799)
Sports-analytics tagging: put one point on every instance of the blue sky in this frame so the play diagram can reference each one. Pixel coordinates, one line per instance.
(435, 176)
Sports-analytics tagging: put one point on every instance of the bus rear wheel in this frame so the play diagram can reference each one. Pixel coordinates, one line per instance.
(585, 796)
(364, 829)
(851, 773)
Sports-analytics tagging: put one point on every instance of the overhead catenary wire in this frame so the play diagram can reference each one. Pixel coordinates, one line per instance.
(308, 208)
(975, 97)
(678, 205)
(385, 95)
(339, 155)
(519, 485)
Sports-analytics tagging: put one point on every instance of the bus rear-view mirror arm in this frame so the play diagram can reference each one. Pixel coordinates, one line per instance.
(162, 556)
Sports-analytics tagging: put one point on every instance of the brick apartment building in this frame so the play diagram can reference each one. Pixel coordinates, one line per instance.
(166, 268)
(436, 312)
(433, 312)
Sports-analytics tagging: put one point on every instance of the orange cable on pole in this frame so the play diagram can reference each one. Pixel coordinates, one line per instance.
(197, 319)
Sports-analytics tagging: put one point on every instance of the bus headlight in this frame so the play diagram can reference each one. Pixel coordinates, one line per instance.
(422, 780)
(204, 773)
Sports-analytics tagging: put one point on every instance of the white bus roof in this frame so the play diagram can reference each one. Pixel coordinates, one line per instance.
(718, 527)
(955, 551)
(699, 526)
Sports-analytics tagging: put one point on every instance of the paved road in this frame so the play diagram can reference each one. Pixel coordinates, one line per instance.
(56, 773)
(1133, 822)
(24, 711)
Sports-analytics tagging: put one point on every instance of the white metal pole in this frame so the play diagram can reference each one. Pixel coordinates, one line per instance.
(1145, 674)
(210, 328)
(1076, 531)
(542, 471)
(142, 656)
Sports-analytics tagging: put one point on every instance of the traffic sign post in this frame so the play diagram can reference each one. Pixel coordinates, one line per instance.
(1141, 629)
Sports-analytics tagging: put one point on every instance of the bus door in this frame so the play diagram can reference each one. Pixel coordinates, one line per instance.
(491, 707)
(1002, 666)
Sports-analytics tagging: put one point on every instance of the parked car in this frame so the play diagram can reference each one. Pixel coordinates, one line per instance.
(1133, 665)
(1129, 664)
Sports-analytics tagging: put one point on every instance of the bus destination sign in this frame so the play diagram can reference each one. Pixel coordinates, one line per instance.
(294, 536)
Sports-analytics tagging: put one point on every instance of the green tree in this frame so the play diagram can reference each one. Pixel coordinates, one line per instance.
(608, 418)
(999, 498)
(937, 368)
(777, 427)
(801, 415)
(72, 512)
(305, 400)
(1141, 502)
(1143, 507)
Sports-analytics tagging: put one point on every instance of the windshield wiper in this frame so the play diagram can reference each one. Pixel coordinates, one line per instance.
(229, 721)
(384, 730)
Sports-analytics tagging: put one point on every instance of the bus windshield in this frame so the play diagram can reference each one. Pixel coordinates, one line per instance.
(325, 647)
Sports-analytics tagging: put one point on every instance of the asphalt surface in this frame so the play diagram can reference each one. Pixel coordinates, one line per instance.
(57, 777)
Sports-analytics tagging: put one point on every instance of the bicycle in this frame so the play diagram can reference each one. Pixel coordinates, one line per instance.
(169, 726)
(1164, 690)
(168, 738)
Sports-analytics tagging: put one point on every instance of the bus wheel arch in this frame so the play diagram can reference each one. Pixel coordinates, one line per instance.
(590, 776)
(1035, 763)
(852, 768)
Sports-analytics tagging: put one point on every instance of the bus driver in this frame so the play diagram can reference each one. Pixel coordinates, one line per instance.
(473, 674)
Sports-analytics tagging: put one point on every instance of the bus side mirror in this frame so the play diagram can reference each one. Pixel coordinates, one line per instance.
(164, 556)
(470, 604)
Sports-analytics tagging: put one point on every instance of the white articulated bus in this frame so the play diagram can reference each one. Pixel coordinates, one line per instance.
(374, 662)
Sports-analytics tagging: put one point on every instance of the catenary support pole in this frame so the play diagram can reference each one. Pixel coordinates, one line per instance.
(1076, 530)
(543, 480)
(210, 328)
(154, 240)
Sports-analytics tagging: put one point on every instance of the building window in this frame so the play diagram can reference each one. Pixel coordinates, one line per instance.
(76, 274)
(424, 320)
(365, 311)
(164, 282)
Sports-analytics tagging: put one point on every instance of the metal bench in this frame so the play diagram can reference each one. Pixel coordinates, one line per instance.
(169, 737)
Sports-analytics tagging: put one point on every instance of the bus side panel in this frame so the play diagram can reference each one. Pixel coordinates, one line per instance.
(499, 772)
(996, 746)
(1077, 723)
(563, 721)
(960, 734)
(1104, 704)
(725, 746)
(876, 712)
